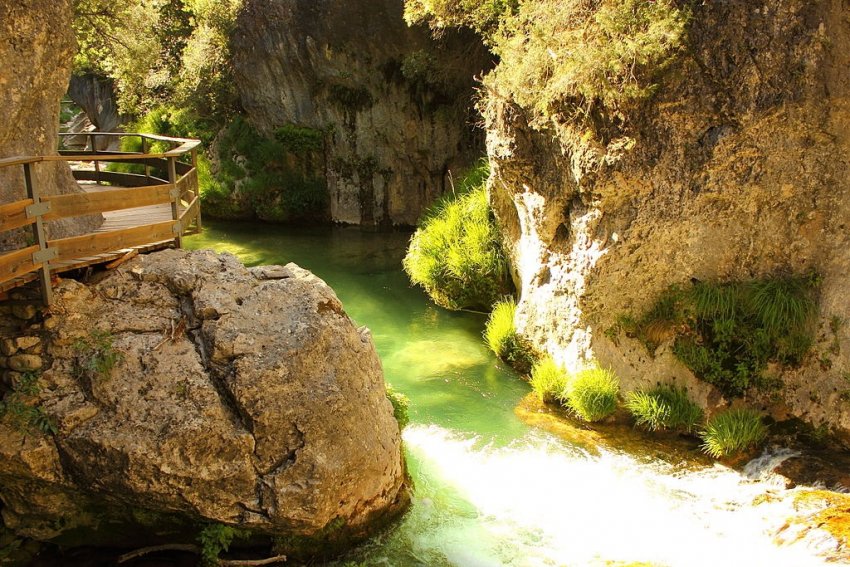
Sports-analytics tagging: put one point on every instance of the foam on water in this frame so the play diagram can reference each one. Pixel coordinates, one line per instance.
(540, 502)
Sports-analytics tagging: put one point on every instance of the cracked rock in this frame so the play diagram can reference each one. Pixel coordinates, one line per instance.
(283, 428)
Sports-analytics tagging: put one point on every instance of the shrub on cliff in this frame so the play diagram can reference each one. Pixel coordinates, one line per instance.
(727, 333)
(456, 254)
(501, 336)
(569, 58)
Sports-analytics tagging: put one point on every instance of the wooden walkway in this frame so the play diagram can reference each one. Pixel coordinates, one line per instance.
(142, 212)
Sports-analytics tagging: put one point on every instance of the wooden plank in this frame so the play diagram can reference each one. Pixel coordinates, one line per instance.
(116, 178)
(191, 213)
(136, 135)
(123, 259)
(14, 215)
(19, 160)
(101, 242)
(63, 206)
(18, 263)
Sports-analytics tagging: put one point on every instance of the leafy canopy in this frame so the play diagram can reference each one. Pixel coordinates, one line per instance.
(159, 50)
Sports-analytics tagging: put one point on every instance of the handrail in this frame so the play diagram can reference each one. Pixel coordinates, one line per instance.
(155, 137)
(177, 186)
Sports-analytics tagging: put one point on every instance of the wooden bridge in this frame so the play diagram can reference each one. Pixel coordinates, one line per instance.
(150, 209)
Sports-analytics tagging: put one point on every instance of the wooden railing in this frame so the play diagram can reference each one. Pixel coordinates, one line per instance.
(167, 177)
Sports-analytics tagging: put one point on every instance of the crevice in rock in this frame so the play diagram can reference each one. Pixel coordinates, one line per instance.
(247, 510)
(291, 456)
(215, 372)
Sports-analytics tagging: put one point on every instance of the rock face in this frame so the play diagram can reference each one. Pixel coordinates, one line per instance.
(395, 104)
(245, 397)
(37, 55)
(96, 96)
(740, 169)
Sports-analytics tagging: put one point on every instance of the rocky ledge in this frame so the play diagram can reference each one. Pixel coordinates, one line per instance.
(186, 385)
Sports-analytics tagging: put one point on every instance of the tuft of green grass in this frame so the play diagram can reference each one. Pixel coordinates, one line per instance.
(501, 336)
(548, 380)
(732, 431)
(664, 407)
(592, 394)
(781, 304)
(401, 406)
(457, 255)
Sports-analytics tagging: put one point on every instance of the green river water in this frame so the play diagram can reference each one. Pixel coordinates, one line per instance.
(491, 490)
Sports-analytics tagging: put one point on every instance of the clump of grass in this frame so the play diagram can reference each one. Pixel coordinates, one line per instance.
(401, 406)
(592, 394)
(732, 431)
(501, 336)
(20, 407)
(727, 333)
(457, 256)
(95, 356)
(548, 379)
(664, 407)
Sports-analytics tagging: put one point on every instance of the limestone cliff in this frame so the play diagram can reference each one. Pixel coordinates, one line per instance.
(395, 104)
(738, 168)
(185, 385)
(36, 55)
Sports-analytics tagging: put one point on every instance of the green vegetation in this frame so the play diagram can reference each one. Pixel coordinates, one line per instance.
(354, 99)
(401, 406)
(592, 394)
(178, 52)
(732, 431)
(664, 407)
(483, 16)
(256, 175)
(456, 254)
(20, 407)
(272, 185)
(548, 380)
(569, 58)
(501, 336)
(728, 333)
(95, 357)
(215, 539)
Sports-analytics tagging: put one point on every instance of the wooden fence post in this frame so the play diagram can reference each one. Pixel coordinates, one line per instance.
(144, 151)
(197, 186)
(93, 143)
(43, 256)
(175, 201)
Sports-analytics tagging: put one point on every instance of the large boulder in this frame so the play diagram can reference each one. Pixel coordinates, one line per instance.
(394, 103)
(737, 169)
(187, 385)
(37, 53)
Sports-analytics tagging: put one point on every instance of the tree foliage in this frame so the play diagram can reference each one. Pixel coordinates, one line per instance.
(159, 50)
(568, 58)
